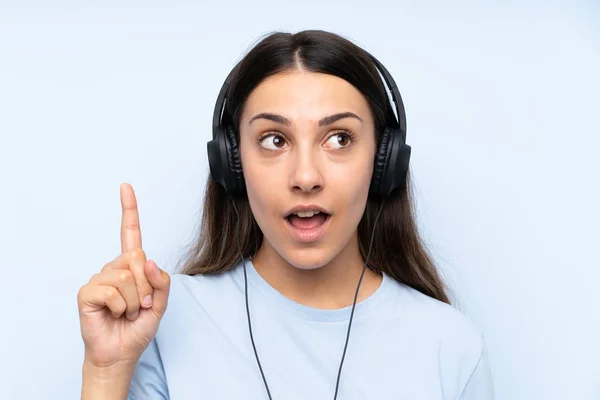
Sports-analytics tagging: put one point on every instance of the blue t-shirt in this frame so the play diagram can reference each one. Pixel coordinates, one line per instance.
(403, 345)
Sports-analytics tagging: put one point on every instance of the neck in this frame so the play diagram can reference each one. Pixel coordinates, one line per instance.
(329, 286)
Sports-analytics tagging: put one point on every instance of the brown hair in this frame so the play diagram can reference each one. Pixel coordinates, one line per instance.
(398, 249)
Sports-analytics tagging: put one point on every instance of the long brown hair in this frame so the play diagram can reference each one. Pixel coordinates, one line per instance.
(398, 248)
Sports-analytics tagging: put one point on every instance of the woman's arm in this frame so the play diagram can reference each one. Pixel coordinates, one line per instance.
(141, 381)
(109, 383)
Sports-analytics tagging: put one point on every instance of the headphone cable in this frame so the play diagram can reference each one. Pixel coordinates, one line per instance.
(354, 302)
(351, 313)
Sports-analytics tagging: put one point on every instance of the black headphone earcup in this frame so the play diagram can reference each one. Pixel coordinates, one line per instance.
(238, 184)
(225, 163)
(391, 163)
(380, 162)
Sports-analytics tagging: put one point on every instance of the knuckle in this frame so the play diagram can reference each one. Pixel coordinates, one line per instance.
(137, 254)
(95, 277)
(131, 224)
(114, 302)
(111, 294)
(125, 276)
(81, 294)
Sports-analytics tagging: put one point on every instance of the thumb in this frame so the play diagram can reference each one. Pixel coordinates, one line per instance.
(161, 283)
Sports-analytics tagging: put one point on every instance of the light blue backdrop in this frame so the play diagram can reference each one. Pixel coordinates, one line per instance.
(502, 104)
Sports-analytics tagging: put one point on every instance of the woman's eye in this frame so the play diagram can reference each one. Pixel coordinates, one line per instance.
(339, 140)
(272, 142)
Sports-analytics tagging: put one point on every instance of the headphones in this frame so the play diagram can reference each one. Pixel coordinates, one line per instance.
(391, 161)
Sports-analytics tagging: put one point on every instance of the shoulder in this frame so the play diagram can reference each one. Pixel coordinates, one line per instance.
(188, 289)
(437, 319)
(454, 338)
(194, 298)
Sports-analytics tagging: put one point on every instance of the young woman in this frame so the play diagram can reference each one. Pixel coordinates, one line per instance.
(309, 279)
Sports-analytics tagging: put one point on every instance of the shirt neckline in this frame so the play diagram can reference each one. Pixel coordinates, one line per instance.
(363, 308)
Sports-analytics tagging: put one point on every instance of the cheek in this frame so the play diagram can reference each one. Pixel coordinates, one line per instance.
(262, 194)
(351, 187)
(261, 186)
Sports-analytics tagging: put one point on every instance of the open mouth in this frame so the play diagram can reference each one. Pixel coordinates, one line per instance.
(307, 226)
(307, 219)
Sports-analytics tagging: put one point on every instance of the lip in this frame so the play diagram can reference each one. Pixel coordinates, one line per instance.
(308, 235)
(306, 207)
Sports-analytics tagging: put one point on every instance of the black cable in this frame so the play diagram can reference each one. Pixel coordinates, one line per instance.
(337, 384)
(351, 313)
(246, 295)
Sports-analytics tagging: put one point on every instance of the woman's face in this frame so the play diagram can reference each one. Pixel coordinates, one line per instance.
(307, 142)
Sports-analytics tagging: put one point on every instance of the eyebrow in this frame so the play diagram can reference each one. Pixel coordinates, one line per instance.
(330, 119)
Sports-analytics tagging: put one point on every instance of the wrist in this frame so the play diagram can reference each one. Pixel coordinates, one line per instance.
(106, 382)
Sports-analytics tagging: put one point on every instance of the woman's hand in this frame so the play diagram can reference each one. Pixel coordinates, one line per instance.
(120, 308)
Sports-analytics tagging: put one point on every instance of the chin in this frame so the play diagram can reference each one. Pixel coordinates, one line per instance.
(308, 258)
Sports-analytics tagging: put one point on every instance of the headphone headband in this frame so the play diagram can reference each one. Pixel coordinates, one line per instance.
(220, 103)
(387, 77)
(396, 97)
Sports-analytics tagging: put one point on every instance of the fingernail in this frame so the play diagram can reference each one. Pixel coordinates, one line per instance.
(147, 300)
(135, 314)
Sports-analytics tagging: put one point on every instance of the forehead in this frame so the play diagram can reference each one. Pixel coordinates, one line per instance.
(299, 94)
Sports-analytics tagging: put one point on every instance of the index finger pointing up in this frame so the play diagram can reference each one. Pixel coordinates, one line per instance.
(131, 236)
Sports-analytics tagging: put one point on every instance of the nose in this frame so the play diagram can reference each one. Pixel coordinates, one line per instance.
(306, 171)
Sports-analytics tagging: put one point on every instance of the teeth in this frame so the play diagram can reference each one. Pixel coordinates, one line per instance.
(306, 214)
